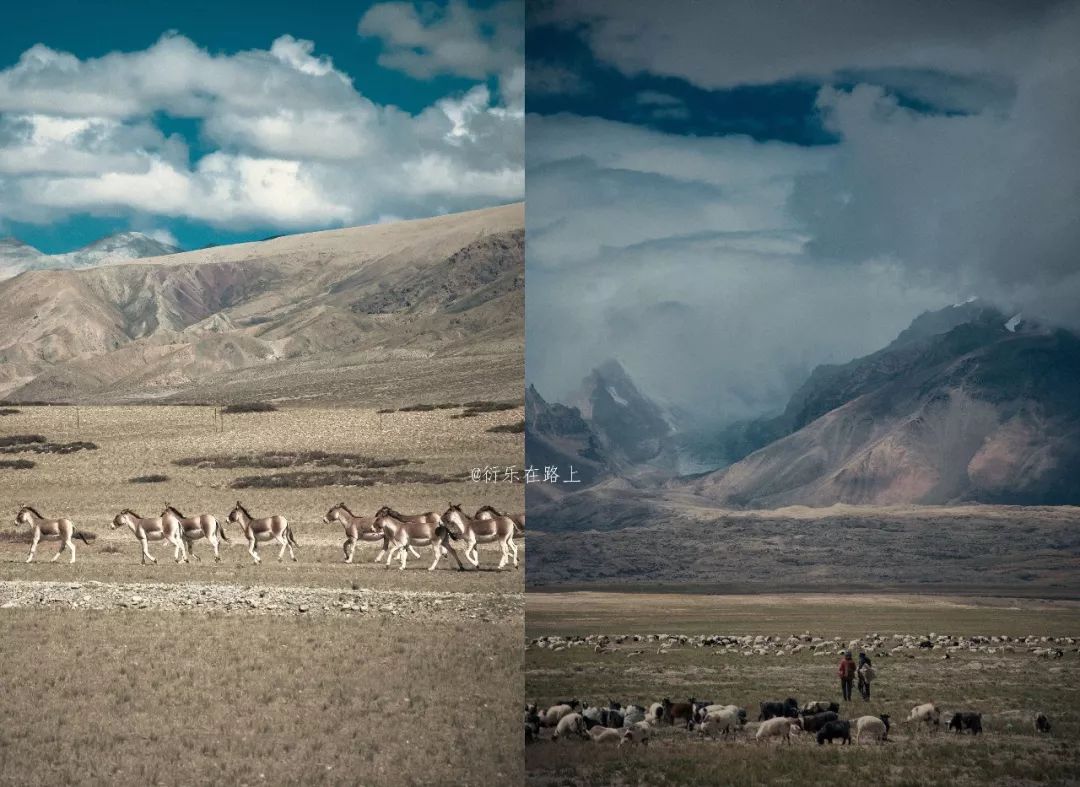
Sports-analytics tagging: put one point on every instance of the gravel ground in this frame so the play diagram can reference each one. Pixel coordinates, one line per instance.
(263, 600)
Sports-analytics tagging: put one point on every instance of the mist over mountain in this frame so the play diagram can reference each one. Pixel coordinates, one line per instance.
(967, 404)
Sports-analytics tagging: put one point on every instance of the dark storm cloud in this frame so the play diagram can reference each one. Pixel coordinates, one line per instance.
(954, 173)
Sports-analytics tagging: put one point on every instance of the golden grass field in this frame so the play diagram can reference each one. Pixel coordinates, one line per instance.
(217, 695)
(1008, 688)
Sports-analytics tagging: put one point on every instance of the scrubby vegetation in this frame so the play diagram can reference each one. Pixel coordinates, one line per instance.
(249, 407)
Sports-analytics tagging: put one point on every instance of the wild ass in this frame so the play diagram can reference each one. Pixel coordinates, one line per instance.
(490, 512)
(270, 528)
(152, 529)
(400, 535)
(499, 529)
(358, 528)
(60, 529)
(196, 527)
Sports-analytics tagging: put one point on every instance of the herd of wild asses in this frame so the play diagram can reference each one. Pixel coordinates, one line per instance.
(399, 533)
(623, 724)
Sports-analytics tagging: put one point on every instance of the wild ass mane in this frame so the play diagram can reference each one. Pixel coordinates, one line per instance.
(33, 511)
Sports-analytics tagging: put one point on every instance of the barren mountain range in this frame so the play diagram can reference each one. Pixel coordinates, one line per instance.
(388, 313)
(966, 405)
(16, 256)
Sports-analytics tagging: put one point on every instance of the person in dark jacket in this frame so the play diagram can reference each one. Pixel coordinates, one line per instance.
(865, 672)
(846, 671)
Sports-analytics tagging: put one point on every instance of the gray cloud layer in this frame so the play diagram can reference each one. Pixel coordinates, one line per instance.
(721, 270)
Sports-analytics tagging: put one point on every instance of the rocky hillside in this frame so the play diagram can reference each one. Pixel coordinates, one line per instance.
(296, 317)
(965, 405)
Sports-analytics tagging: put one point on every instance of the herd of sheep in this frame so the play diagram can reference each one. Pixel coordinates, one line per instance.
(619, 724)
(881, 645)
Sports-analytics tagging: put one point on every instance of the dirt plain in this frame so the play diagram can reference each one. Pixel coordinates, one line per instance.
(313, 671)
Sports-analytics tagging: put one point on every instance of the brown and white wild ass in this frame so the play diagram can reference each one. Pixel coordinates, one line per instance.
(400, 535)
(490, 512)
(498, 529)
(152, 529)
(61, 529)
(358, 528)
(196, 527)
(270, 528)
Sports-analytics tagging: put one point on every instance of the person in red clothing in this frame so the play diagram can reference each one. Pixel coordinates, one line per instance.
(847, 675)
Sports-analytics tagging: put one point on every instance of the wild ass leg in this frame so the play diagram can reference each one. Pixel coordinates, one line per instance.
(33, 545)
(146, 550)
(412, 551)
(190, 546)
(513, 549)
(348, 548)
(284, 540)
(471, 552)
(437, 549)
(404, 556)
(288, 543)
(59, 552)
(216, 544)
(505, 555)
(71, 547)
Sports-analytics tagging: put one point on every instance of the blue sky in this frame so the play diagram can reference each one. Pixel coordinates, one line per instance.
(431, 89)
(725, 195)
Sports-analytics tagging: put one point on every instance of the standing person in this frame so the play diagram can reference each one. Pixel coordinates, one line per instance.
(846, 672)
(865, 672)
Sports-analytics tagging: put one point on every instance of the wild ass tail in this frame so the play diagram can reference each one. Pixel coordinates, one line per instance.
(221, 531)
(290, 536)
(80, 534)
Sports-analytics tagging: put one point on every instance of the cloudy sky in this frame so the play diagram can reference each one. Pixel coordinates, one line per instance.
(219, 122)
(726, 194)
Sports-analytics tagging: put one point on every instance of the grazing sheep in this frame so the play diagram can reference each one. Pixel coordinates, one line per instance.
(571, 724)
(592, 713)
(532, 723)
(966, 720)
(554, 715)
(639, 733)
(724, 719)
(874, 726)
(709, 710)
(679, 711)
(781, 726)
(927, 713)
(835, 729)
(772, 709)
(605, 735)
(812, 722)
(820, 706)
(633, 714)
(1042, 724)
(655, 712)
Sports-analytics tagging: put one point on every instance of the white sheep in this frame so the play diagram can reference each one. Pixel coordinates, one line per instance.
(554, 715)
(719, 718)
(571, 724)
(926, 713)
(655, 712)
(778, 727)
(601, 734)
(633, 714)
(638, 733)
(874, 726)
